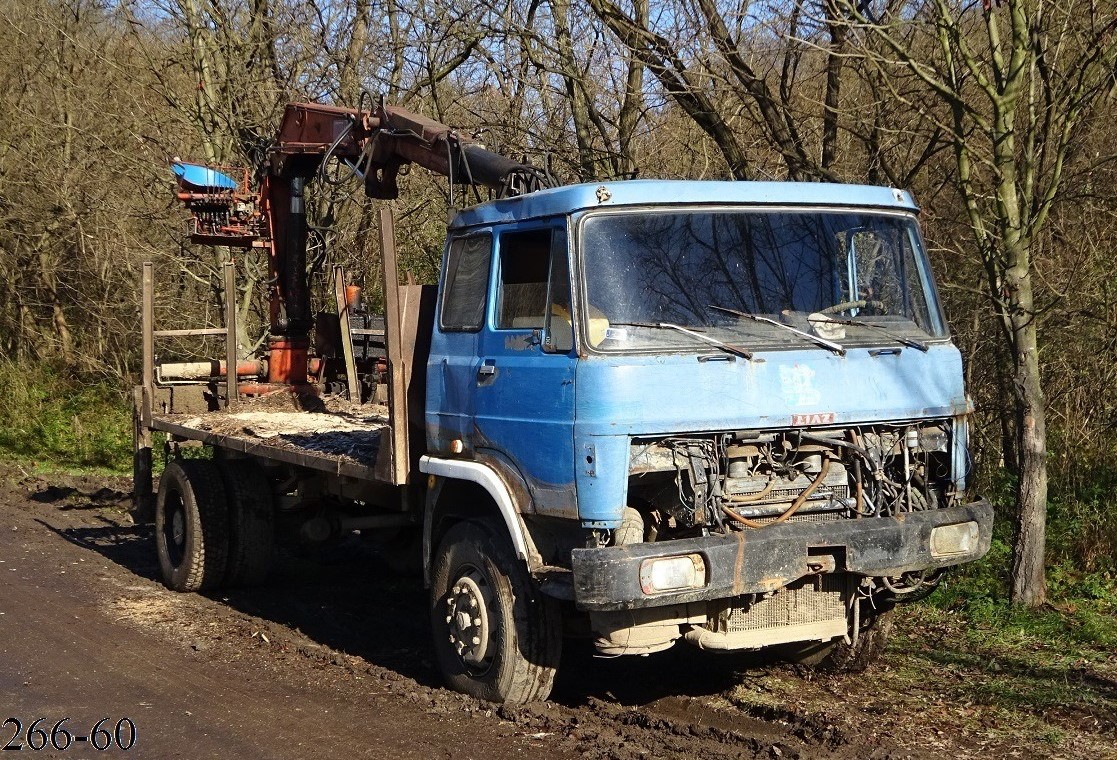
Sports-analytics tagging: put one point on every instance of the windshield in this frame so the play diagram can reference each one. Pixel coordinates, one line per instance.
(854, 276)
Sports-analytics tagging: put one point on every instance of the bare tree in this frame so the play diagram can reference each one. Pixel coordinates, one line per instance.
(1016, 81)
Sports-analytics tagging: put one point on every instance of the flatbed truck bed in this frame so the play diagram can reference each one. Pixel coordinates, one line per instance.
(346, 443)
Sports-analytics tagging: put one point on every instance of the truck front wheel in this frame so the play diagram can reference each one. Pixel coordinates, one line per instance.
(496, 636)
(192, 526)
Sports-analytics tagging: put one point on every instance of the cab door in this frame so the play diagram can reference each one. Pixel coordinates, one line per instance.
(524, 383)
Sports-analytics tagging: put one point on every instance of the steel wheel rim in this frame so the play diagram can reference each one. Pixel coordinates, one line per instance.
(469, 608)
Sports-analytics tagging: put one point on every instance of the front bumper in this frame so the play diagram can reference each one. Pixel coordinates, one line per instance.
(767, 559)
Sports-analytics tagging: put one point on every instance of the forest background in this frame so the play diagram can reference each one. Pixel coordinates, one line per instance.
(1001, 117)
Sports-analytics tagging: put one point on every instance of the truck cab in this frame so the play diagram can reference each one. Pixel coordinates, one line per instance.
(722, 413)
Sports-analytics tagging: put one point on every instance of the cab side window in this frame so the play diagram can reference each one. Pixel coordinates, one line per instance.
(466, 283)
(524, 264)
(534, 285)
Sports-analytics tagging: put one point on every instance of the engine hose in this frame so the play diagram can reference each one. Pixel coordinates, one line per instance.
(826, 440)
(747, 498)
(901, 590)
(860, 506)
(795, 506)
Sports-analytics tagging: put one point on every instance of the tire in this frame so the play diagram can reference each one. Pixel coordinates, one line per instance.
(839, 657)
(192, 526)
(474, 566)
(251, 522)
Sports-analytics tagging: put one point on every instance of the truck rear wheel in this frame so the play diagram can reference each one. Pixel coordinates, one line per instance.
(191, 526)
(251, 522)
(839, 657)
(496, 636)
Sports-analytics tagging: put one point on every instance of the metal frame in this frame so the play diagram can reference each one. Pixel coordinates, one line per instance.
(229, 332)
(333, 465)
(143, 421)
(392, 463)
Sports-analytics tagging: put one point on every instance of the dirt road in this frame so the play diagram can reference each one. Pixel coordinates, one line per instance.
(332, 660)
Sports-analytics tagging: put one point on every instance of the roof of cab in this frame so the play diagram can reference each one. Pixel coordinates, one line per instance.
(570, 198)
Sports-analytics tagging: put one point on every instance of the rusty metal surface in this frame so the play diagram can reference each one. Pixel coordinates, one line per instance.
(398, 361)
(231, 332)
(416, 313)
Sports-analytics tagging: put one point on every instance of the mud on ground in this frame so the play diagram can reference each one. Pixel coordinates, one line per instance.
(332, 659)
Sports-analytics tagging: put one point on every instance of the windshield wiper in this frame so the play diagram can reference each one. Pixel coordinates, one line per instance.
(712, 341)
(910, 342)
(837, 348)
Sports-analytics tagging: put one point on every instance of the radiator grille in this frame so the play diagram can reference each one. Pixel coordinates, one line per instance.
(832, 493)
(803, 517)
(809, 600)
(778, 495)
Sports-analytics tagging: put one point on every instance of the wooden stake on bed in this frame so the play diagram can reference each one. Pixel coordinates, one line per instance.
(354, 389)
(397, 365)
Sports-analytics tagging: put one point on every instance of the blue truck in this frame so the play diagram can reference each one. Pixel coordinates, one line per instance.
(726, 414)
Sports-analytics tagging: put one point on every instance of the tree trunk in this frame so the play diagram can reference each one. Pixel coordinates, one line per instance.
(349, 77)
(1029, 585)
(683, 85)
(571, 76)
(1007, 416)
(834, 59)
(205, 57)
(632, 104)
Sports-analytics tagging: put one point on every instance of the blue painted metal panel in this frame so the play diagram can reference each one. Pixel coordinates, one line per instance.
(451, 373)
(522, 409)
(625, 396)
(203, 176)
(527, 411)
(564, 200)
(525, 408)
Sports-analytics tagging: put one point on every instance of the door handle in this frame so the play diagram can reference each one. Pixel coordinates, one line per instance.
(486, 370)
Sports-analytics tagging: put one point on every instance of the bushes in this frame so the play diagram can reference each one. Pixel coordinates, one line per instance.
(1082, 522)
(51, 416)
(1081, 613)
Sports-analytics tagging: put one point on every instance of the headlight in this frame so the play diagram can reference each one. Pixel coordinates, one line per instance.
(672, 573)
(952, 540)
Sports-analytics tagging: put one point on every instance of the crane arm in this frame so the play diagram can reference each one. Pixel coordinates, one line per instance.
(375, 144)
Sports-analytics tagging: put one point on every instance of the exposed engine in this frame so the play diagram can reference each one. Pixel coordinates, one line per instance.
(685, 486)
